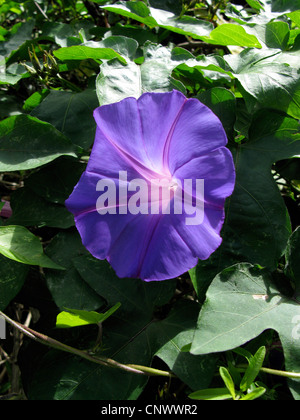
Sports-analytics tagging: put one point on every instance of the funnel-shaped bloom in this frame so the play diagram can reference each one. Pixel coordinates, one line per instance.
(151, 200)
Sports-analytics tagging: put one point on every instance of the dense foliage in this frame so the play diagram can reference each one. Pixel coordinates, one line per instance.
(230, 327)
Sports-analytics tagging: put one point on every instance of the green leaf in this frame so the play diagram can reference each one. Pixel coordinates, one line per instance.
(170, 335)
(100, 277)
(71, 114)
(242, 302)
(295, 17)
(76, 318)
(232, 34)
(89, 50)
(253, 395)
(63, 34)
(9, 106)
(266, 83)
(27, 143)
(29, 209)
(135, 10)
(185, 25)
(35, 99)
(285, 5)
(255, 4)
(10, 75)
(277, 35)
(174, 6)
(21, 35)
(243, 352)
(227, 379)
(18, 244)
(223, 103)
(254, 366)
(123, 45)
(223, 324)
(55, 181)
(65, 246)
(9, 79)
(116, 81)
(211, 394)
(12, 278)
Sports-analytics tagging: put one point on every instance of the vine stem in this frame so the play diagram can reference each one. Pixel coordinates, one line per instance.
(291, 375)
(104, 361)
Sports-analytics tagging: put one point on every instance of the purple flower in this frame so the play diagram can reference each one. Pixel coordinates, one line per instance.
(6, 210)
(175, 145)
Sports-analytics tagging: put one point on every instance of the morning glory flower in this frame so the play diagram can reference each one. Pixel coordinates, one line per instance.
(151, 200)
(6, 210)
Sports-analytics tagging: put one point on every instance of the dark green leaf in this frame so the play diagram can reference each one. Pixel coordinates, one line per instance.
(171, 335)
(55, 182)
(223, 103)
(242, 302)
(12, 277)
(63, 34)
(65, 246)
(174, 6)
(22, 34)
(285, 5)
(71, 114)
(277, 35)
(27, 143)
(29, 209)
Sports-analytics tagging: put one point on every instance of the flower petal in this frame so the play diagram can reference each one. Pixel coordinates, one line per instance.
(128, 250)
(106, 160)
(202, 239)
(158, 115)
(216, 169)
(120, 125)
(98, 231)
(168, 254)
(197, 132)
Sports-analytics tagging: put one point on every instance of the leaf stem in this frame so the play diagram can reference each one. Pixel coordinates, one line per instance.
(104, 361)
(286, 374)
(152, 372)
